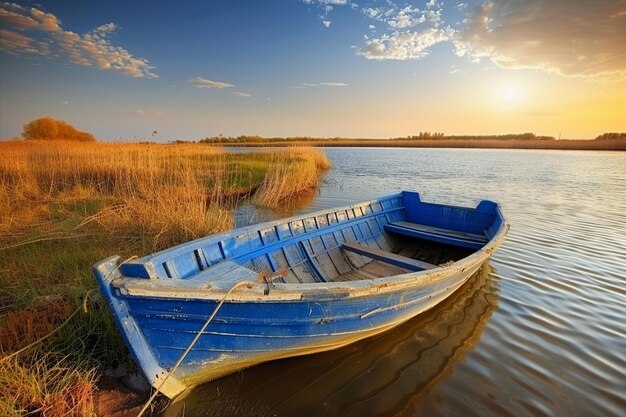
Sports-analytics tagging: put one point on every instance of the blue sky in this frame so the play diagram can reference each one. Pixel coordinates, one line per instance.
(315, 68)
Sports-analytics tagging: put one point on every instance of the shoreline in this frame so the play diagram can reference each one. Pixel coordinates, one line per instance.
(68, 205)
(564, 144)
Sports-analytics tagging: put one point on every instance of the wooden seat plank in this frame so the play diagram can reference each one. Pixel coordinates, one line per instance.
(388, 257)
(447, 236)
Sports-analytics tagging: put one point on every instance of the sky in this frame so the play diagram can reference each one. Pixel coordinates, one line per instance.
(321, 68)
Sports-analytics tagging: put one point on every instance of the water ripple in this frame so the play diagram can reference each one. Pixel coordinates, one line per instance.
(543, 333)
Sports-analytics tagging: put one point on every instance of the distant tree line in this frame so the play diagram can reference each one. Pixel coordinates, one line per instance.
(261, 139)
(607, 136)
(424, 136)
(47, 128)
(510, 136)
(420, 136)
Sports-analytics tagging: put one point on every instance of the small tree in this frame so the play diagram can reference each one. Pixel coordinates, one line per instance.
(46, 128)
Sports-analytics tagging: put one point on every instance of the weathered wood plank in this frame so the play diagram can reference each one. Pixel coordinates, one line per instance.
(225, 274)
(357, 261)
(318, 269)
(339, 261)
(445, 232)
(382, 269)
(388, 257)
(304, 273)
(436, 236)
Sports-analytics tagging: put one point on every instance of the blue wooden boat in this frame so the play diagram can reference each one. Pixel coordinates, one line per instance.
(292, 287)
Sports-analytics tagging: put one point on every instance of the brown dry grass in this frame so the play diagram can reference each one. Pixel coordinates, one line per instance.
(287, 180)
(48, 386)
(158, 189)
(66, 205)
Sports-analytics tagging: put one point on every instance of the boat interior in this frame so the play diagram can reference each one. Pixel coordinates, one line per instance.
(345, 257)
(391, 236)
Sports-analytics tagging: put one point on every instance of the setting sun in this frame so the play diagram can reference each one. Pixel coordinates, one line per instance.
(511, 95)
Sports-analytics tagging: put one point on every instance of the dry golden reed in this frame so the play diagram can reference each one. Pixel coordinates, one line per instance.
(173, 193)
(294, 172)
(152, 190)
(66, 205)
(47, 386)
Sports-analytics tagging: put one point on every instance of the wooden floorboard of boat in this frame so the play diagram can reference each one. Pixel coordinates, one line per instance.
(383, 269)
(372, 270)
(339, 261)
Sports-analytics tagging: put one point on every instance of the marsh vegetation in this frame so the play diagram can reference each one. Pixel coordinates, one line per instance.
(65, 205)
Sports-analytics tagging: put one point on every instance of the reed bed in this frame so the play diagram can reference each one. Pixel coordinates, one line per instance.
(65, 205)
(294, 176)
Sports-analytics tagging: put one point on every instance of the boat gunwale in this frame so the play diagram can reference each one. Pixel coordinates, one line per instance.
(290, 292)
(180, 249)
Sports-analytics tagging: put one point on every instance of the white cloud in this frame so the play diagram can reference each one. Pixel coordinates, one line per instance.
(579, 39)
(241, 94)
(371, 12)
(16, 43)
(404, 45)
(333, 84)
(455, 70)
(333, 2)
(398, 18)
(407, 17)
(324, 84)
(148, 113)
(32, 31)
(11, 16)
(200, 82)
(327, 6)
(571, 38)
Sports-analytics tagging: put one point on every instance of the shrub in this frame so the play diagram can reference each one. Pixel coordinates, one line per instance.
(47, 128)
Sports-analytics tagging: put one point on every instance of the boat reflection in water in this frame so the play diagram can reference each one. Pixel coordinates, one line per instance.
(384, 375)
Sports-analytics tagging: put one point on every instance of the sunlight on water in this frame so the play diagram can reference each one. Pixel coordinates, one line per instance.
(540, 331)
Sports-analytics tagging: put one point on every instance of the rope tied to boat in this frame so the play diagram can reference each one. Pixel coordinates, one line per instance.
(267, 278)
(248, 284)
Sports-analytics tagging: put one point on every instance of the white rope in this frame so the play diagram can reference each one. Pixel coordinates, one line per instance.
(193, 342)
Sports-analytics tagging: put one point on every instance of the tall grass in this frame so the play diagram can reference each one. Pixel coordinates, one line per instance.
(297, 172)
(65, 205)
(151, 190)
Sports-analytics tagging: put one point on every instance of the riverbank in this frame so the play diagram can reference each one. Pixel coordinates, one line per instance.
(64, 206)
(565, 144)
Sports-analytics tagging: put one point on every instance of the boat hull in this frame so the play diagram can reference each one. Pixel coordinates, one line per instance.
(160, 318)
(247, 333)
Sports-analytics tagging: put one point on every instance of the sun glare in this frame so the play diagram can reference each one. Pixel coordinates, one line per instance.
(509, 95)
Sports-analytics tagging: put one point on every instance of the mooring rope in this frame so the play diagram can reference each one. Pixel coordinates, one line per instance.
(193, 342)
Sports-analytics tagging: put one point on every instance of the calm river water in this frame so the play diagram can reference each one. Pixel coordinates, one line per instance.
(540, 331)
